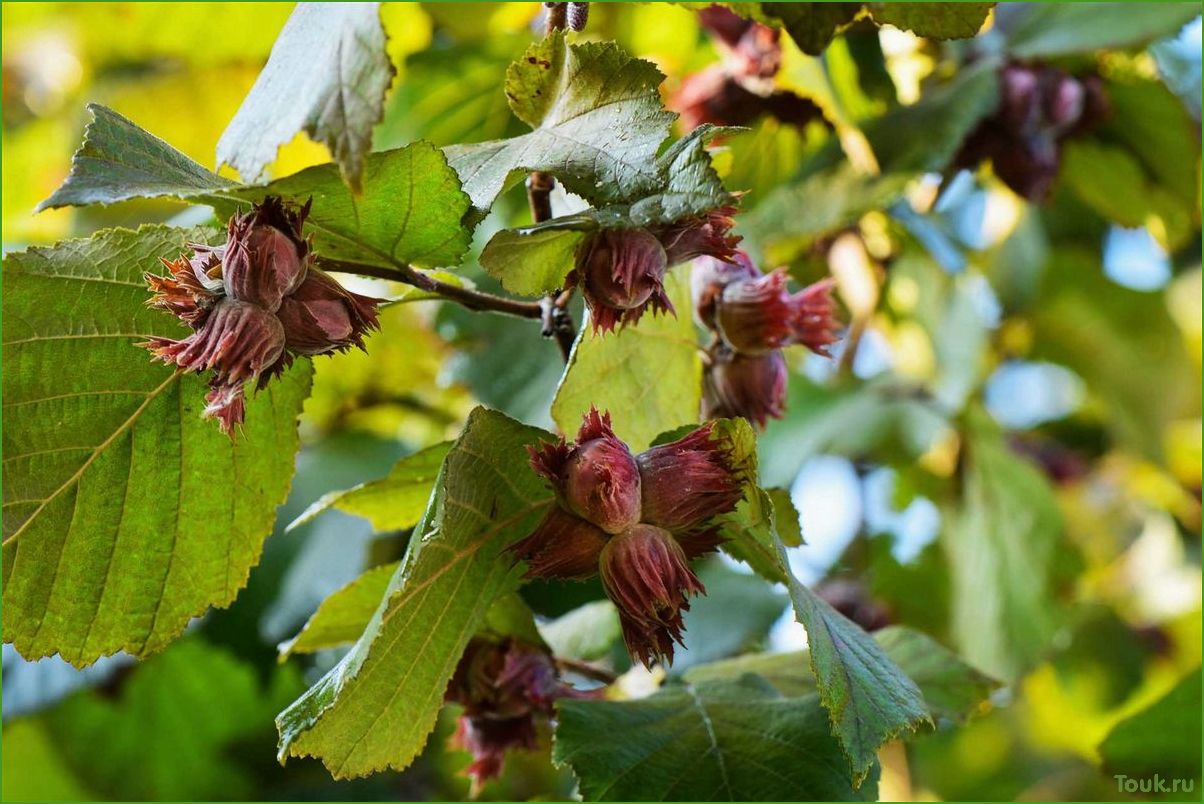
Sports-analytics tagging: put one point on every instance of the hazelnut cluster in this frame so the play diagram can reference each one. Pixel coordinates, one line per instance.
(254, 303)
(505, 686)
(754, 316)
(739, 89)
(636, 520)
(1040, 107)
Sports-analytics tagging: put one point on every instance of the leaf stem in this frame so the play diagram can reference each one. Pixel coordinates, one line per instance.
(465, 297)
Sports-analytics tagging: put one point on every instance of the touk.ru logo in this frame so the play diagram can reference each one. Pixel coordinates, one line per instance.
(1153, 784)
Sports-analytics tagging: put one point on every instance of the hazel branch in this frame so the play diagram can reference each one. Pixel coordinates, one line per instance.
(471, 299)
(555, 319)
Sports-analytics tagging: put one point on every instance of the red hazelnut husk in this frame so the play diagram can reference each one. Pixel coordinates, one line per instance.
(688, 482)
(646, 574)
(265, 257)
(596, 478)
(751, 386)
(622, 273)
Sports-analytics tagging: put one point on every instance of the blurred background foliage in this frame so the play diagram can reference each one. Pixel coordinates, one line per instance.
(1006, 453)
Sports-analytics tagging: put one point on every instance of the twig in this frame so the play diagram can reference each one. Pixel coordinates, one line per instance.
(555, 319)
(585, 669)
(471, 299)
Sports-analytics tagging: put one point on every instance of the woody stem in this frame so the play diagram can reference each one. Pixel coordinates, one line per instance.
(555, 319)
(465, 297)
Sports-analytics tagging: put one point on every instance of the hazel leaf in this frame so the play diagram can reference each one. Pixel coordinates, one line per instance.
(648, 375)
(411, 209)
(952, 688)
(394, 502)
(125, 514)
(342, 616)
(376, 707)
(933, 20)
(327, 76)
(726, 740)
(597, 124)
(870, 701)
(536, 259)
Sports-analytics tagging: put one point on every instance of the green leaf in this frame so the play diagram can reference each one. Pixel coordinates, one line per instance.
(586, 633)
(375, 708)
(342, 616)
(736, 740)
(819, 204)
(1162, 739)
(395, 502)
(410, 211)
(467, 107)
(1158, 131)
(926, 135)
(126, 514)
(172, 731)
(532, 261)
(1111, 181)
(327, 76)
(810, 25)
(536, 259)
(952, 689)
(597, 121)
(1001, 547)
(33, 769)
(1148, 380)
(933, 20)
(869, 699)
(119, 161)
(1035, 31)
(649, 376)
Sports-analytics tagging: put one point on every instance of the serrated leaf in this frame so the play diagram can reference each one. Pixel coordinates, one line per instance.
(933, 20)
(411, 209)
(343, 615)
(1001, 547)
(327, 76)
(119, 161)
(395, 502)
(125, 513)
(952, 689)
(597, 121)
(749, 530)
(375, 708)
(649, 376)
(535, 260)
(1034, 31)
(532, 261)
(733, 740)
(869, 699)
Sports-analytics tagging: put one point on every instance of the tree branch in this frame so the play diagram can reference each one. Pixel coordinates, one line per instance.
(470, 299)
